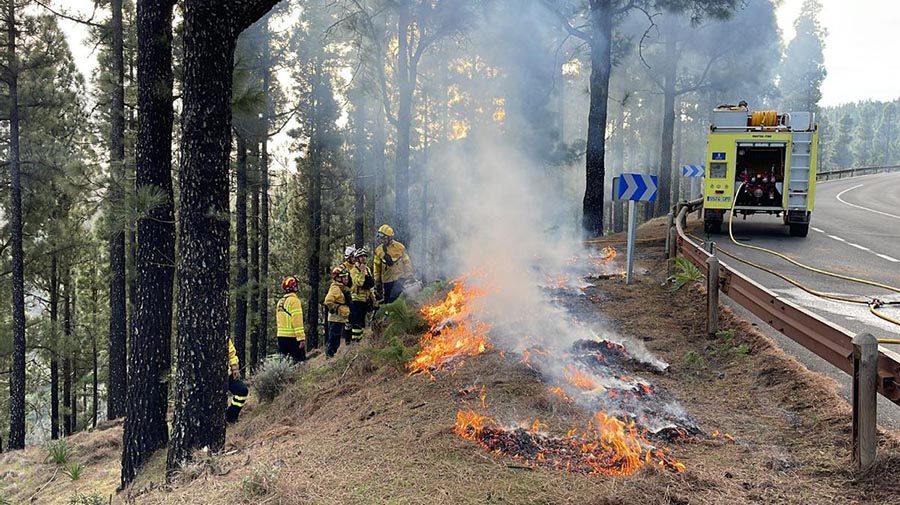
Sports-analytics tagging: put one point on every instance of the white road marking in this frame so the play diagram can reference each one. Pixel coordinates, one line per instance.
(839, 239)
(860, 247)
(839, 195)
(883, 256)
(813, 228)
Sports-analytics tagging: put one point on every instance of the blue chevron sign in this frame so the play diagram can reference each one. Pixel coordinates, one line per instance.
(693, 170)
(640, 187)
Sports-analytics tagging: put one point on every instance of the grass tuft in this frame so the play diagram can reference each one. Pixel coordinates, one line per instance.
(274, 376)
(74, 470)
(59, 452)
(260, 483)
(88, 499)
(685, 273)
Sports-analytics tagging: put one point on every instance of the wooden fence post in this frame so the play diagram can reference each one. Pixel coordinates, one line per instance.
(865, 382)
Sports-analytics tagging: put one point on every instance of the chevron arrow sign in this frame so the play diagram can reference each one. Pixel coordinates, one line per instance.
(640, 187)
(693, 170)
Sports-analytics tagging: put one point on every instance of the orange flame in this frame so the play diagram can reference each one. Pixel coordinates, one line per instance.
(451, 335)
(579, 379)
(608, 254)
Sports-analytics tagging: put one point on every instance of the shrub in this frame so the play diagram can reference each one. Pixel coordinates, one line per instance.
(261, 482)
(402, 318)
(685, 273)
(395, 353)
(74, 470)
(4, 501)
(694, 360)
(273, 377)
(726, 347)
(59, 452)
(88, 499)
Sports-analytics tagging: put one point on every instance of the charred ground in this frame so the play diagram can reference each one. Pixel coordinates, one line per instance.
(358, 429)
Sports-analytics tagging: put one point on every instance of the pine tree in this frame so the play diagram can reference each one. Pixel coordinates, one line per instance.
(803, 67)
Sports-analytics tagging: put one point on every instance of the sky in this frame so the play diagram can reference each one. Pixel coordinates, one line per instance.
(859, 49)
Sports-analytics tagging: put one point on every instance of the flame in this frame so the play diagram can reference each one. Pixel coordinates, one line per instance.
(558, 391)
(451, 335)
(609, 446)
(608, 254)
(579, 379)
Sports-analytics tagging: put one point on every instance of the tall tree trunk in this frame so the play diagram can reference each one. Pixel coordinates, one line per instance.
(240, 208)
(253, 282)
(211, 29)
(95, 328)
(379, 166)
(54, 347)
(145, 425)
(664, 199)
(263, 281)
(359, 186)
(405, 87)
(72, 353)
(17, 380)
(595, 168)
(117, 382)
(314, 232)
(67, 353)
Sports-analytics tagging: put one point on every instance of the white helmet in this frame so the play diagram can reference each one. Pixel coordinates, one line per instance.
(349, 250)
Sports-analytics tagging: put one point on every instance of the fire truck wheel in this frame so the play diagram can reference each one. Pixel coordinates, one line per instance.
(799, 229)
(712, 227)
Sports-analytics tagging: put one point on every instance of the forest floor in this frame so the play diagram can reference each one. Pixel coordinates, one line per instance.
(357, 430)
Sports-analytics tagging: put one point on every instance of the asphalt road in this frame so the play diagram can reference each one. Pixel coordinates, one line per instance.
(855, 231)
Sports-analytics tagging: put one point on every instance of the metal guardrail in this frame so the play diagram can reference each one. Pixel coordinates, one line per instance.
(827, 340)
(853, 172)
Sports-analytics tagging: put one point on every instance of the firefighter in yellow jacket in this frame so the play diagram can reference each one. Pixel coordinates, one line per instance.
(289, 316)
(362, 293)
(338, 301)
(236, 386)
(392, 266)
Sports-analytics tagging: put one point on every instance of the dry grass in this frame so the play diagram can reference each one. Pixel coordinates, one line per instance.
(351, 431)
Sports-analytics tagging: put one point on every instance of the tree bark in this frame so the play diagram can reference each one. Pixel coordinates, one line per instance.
(17, 381)
(664, 199)
(211, 29)
(263, 281)
(54, 348)
(240, 209)
(314, 225)
(379, 165)
(595, 168)
(117, 382)
(359, 186)
(95, 328)
(253, 232)
(405, 87)
(145, 425)
(67, 354)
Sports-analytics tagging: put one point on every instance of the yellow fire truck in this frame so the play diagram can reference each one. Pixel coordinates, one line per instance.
(760, 162)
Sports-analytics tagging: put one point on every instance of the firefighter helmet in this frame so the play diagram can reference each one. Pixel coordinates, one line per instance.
(289, 283)
(362, 251)
(385, 231)
(349, 250)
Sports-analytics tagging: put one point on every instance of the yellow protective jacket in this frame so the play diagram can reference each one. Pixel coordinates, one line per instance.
(393, 265)
(289, 316)
(362, 285)
(233, 362)
(338, 302)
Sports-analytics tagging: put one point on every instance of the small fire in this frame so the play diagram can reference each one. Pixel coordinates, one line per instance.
(607, 254)
(558, 391)
(452, 335)
(579, 379)
(609, 446)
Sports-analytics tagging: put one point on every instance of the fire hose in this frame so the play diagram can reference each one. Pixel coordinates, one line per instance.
(872, 304)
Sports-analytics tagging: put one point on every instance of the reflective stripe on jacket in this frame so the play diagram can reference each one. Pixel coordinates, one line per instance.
(337, 302)
(289, 316)
(398, 266)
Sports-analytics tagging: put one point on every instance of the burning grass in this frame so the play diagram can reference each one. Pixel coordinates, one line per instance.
(609, 446)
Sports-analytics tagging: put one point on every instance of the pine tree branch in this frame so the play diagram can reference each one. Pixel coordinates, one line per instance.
(88, 22)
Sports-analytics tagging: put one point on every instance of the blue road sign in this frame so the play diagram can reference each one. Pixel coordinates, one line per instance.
(693, 170)
(637, 187)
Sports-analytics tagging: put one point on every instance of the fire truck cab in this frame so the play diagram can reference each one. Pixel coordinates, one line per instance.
(760, 162)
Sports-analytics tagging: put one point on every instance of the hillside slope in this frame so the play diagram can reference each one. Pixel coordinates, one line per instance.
(358, 429)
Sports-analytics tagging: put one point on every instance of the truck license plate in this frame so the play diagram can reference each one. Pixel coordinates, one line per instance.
(718, 198)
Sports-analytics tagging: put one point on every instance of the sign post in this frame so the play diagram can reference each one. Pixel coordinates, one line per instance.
(696, 173)
(634, 188)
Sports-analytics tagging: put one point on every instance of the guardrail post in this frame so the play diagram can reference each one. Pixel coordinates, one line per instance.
(712, 291)
(865, 382)
(670, 219)
(673, 250)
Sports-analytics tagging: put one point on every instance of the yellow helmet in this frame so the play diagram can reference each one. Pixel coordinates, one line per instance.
(385, 231)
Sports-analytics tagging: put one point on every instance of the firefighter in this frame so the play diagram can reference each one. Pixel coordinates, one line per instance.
(392, 266)
(289, 316)
(349, 251)
(338, 301)
(236, 386)
(362, 284)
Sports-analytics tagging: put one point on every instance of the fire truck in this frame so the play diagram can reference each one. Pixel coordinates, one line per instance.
(760, 162)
